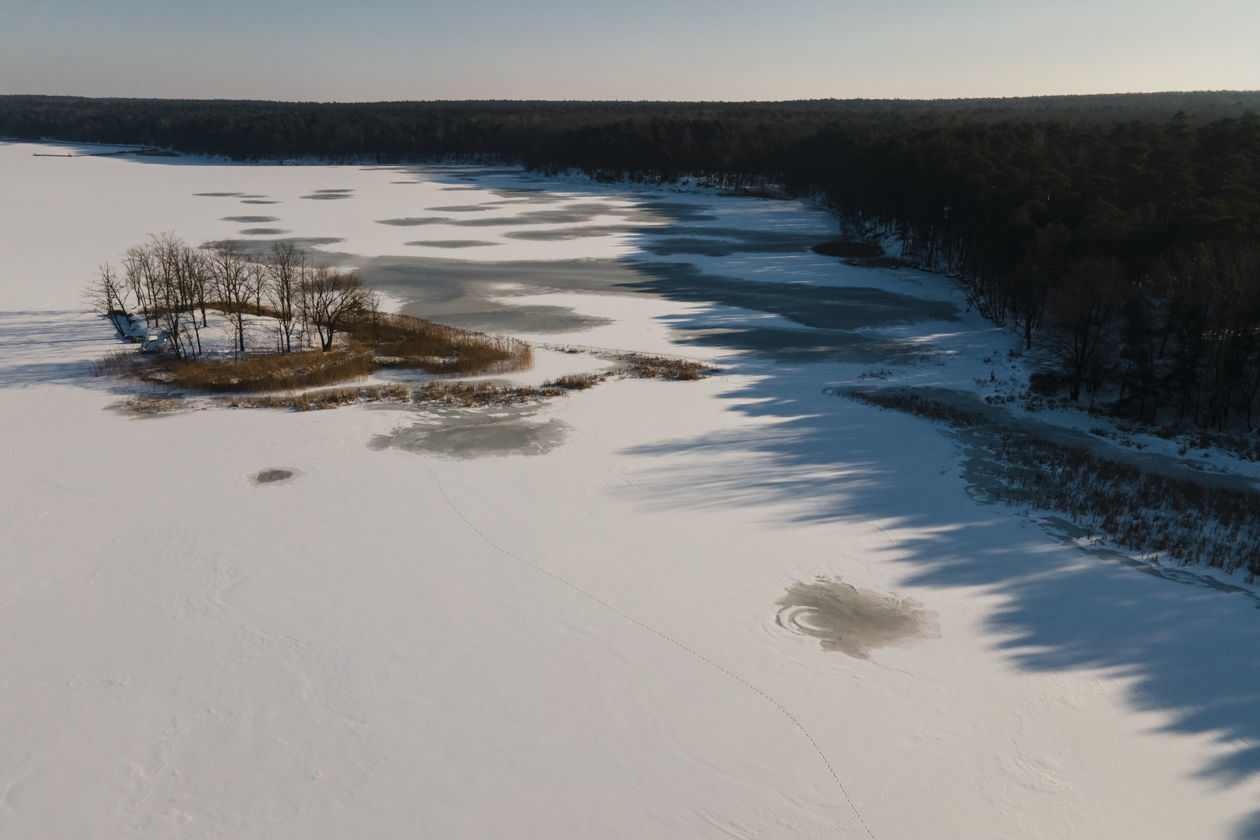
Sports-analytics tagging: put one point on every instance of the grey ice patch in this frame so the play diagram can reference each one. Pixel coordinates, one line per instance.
(820, 307)
(263, 231)
(457, 433)
(677, 211)
(328, 196)
(463, 208)
(466, 172)
(532, 217)
(271, 476)
(412, 221)
(723, 241)
(562, 234)
(468, 293)
(806, 346)
(218, 194)
(851, 620)
(249, 219)
(258, 201)
(496, 317)
(256, 247)
(525, 195)
(451, 243)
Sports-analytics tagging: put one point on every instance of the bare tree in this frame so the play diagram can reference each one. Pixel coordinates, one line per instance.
(257, 284)
(1084, 306)
(170, 307)
(286, 269)
(154, 276)
(195, 268)
(331, 299)
(234, 285)
(141, 273)
(183, 269)
(109, 293)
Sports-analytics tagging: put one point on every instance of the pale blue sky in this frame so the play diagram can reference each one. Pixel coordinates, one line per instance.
(651, 49)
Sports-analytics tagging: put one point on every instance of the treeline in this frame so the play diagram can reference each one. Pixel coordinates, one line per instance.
(1126, 254)
(689, 137)
(173, 285)
(1116, 234)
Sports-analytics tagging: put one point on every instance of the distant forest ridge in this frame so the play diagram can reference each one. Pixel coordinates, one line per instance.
(1116, 234)
(252, 129)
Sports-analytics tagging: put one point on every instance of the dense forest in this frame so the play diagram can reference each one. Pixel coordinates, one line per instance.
(1118, 235)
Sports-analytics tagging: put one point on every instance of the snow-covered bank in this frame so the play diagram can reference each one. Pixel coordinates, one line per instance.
(585, 643)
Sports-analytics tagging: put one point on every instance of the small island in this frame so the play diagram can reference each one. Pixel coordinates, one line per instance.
(265, 331)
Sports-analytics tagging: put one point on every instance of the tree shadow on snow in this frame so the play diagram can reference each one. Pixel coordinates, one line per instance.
(57, 347)
(1189, 649)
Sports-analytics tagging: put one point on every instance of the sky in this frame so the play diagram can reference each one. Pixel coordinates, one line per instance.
(320, 50)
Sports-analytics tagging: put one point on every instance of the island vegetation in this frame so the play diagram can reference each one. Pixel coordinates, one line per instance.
(293, 324)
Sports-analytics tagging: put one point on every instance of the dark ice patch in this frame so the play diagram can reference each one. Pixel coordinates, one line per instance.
(697, 240)
(273, 475)
(467, 171)
(562, 234)
(450, 243)
(678, 211)
(532, 217)
(466, 293)
(821, 307)
(259, 247)
(527, 195)
(414, 221)
(467, 434)
(850, 620)
(804, 346)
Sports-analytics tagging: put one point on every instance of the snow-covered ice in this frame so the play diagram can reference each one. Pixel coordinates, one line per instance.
(611, 639)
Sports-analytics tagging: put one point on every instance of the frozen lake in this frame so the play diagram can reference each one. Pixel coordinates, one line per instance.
(738, 607)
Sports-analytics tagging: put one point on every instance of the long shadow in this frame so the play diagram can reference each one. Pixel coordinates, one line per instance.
(1190, 650)
(55, 347)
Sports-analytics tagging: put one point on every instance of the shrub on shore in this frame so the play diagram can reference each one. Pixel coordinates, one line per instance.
(576, 381)
(328, 398)
(664, 367)
(471, 394)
